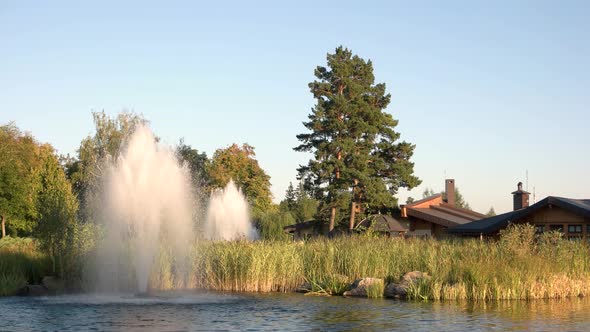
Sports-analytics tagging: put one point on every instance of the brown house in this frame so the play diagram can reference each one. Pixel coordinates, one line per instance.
(432, 216)
(567, 215)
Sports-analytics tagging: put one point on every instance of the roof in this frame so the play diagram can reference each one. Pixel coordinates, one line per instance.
(493, 224)
(383, 223)
(303, 225)
(434, 210)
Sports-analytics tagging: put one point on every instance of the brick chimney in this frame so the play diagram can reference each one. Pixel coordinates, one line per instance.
(521, 198)
(450, 191)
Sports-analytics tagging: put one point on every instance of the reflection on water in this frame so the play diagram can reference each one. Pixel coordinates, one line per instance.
(214, 311)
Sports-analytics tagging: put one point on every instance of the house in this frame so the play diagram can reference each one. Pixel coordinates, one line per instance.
(567, 215)
(308, 229)
(432, 216)
(384, 224)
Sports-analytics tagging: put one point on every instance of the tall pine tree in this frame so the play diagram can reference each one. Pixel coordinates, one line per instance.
(355, 146)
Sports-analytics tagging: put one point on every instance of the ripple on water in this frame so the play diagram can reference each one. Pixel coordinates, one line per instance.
(216, 311)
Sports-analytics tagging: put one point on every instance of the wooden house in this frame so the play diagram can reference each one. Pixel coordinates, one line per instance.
(432, 216)
(567, 215)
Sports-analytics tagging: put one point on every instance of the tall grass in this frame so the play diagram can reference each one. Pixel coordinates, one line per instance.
(21, 262)
(518, 266)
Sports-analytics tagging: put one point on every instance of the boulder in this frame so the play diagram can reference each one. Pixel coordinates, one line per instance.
(396, 290)
(400, 290)
(359, 286)
(32, 290)
(54, 285)
(305, 287)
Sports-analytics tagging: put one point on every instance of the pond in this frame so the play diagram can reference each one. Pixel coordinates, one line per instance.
(285, 312)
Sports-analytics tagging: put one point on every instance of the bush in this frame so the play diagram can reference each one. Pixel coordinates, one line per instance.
(21, 262)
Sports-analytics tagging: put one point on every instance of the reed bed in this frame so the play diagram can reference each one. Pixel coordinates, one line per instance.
(21, 262)
(518, 266)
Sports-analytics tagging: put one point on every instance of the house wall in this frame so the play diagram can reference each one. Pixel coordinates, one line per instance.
(419, 227)
(554, 216)
(439, 231)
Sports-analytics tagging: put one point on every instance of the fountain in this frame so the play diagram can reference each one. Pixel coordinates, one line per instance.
(228, 217)
(148, 201)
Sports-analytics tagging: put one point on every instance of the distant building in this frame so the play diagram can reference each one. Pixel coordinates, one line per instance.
(383, 224)
(567, 215)
(432, 216)
(307, 230)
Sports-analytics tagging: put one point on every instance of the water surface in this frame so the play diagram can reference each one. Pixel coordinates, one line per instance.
(285, 312)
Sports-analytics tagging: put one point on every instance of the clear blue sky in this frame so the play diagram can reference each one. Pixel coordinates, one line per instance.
(486, 90)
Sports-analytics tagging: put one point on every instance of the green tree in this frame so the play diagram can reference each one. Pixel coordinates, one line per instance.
(428, 192)
(96, 152)
(57, 207)
(491, 212)
(290, 197)
(299, 204)
(197, 163)
(239, 164)
(459, 200)
(270, 223)
(19, 165)
(353, 140)
(306, 206)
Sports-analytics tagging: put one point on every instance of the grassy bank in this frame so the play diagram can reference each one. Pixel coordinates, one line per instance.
(516, 267)
(20, 263)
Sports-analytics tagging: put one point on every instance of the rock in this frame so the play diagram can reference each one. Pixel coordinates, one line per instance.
(396, 291)
(400, 290)
(415, 276)
(32, 290)
(54, 285)
(359, 286)
(305, 287)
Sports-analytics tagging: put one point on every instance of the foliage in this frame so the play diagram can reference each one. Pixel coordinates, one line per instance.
(491, 212)
(270, 224)
(196, 162)
(238, 164)
(94, 154)
(57, 208)
(21, 262)
(19, 163)
(537, 269)
(353, 140)
(290, 197)
(299, 203)
(376, 289)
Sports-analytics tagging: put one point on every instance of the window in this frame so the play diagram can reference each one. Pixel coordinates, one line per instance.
(558, 228)
(574, 232)
(539, 229)
(574, 229)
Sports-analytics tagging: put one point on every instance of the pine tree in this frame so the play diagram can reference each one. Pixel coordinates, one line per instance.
(353, 139)
(291, 197)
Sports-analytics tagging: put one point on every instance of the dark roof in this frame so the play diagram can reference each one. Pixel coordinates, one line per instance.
(383, 223)
(493, 224)
(303, 225)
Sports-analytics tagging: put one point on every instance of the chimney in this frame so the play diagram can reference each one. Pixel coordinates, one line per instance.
(450, 191)
(521, 198)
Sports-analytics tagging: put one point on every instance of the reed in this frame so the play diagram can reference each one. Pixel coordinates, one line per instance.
(21, 262)
(518, 266)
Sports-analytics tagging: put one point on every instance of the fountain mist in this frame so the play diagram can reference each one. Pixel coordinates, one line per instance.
(147, 199)
(228, 217)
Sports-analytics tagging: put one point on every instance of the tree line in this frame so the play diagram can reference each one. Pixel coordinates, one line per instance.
(358, 163)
